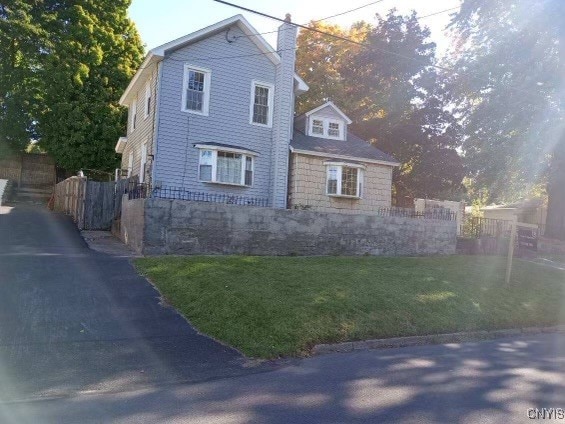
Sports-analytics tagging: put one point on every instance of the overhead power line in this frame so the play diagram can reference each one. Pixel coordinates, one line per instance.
(438, 13)
(349, 40)
(318, 20)
(349, 11)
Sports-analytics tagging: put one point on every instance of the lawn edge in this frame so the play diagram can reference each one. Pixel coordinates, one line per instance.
(393, 342)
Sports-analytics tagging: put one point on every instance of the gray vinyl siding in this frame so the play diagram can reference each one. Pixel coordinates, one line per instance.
(144, 128)
(328, 112)
(233, 66)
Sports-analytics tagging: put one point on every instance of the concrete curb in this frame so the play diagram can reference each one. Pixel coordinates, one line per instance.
(469, 336)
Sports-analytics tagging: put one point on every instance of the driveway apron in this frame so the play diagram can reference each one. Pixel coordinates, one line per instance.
(74, 320)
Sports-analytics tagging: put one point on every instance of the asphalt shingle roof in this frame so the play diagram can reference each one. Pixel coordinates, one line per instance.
(353, 147)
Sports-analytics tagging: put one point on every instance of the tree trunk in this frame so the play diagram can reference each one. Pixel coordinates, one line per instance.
(555, 224)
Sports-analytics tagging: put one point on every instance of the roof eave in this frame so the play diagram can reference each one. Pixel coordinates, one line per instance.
(120, 145)
(344, 157)
(158, 53)
(150, 59)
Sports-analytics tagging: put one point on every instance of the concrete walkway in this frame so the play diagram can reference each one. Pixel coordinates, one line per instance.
(73, 320)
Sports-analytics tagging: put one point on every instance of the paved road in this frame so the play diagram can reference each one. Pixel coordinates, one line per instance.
(72, 319)
(486, 382)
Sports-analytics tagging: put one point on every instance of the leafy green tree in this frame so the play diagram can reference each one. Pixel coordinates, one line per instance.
(94, 50)
(510, 92)
(20, 84)
(392, 93)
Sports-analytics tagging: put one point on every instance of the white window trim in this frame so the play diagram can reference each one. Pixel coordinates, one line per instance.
(130, 163)
(143, 163)
(133, 115)
(340, 165)
(326, 124)
(146, 101)
(215, 149)
(207, 82)
(271, 87)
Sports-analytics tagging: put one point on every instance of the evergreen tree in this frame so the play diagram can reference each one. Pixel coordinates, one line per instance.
(94, 50)
(392, 93)
(21, 38)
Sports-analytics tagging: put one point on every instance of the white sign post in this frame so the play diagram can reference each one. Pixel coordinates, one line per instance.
(511, 249)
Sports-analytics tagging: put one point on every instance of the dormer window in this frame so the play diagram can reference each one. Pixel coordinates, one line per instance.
(327, 128)
(317, 126)
(333, 129)
(326, 121)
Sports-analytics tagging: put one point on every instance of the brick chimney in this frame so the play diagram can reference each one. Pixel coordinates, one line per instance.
(283, 111)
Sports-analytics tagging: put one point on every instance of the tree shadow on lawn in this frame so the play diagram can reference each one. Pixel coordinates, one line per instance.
(494, 381)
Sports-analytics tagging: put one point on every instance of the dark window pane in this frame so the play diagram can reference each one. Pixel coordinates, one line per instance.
(317, 126)
(248, 178)
(333, 129)
(195, 90)
(332, 186)
(349, 181)
(205, 172)
(261, 105)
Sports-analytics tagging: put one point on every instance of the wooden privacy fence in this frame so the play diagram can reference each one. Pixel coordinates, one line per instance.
(93, 205)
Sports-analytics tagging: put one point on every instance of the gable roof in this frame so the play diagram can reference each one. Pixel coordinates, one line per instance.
(353, 148)
(158, 53)
(334, 107)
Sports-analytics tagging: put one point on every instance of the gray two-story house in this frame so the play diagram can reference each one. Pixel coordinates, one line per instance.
(212, 113)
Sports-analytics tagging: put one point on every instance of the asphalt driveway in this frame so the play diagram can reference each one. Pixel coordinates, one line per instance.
(74, 320)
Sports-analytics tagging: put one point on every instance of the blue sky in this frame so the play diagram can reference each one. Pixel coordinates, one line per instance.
(163, 21)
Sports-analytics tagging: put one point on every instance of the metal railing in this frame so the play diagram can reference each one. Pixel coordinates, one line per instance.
(476, 227)
(439, 213)
(143, 191)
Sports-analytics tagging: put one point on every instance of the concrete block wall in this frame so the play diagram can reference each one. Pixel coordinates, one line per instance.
(132, 223)
(5, 191)
(157, 226)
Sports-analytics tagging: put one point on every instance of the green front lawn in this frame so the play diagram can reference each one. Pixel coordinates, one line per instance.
(272, 306)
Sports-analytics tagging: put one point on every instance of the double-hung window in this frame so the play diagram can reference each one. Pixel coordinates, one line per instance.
(133, 115)
(261, 104)
(130, 164)
(317, 127)
(344, 180)
(196, 90)
(147, 103)
(225, 167)
(143, 164)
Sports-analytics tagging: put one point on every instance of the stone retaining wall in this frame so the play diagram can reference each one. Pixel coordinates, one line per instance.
(157, 226)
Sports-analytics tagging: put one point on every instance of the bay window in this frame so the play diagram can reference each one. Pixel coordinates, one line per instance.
(344, 179)
(234, 167)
